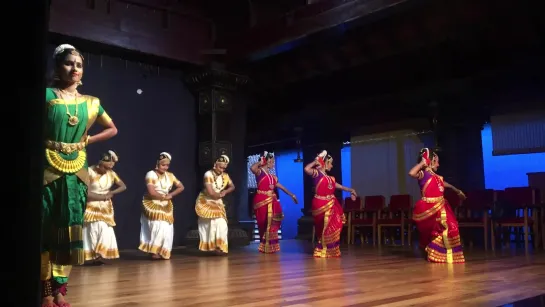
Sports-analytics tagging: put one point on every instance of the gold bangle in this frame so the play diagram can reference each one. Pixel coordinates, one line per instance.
(87, 140)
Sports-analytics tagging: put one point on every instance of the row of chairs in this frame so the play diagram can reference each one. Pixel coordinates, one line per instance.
(490, 210)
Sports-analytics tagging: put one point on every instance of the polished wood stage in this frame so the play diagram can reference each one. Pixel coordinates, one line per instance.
(364, 276)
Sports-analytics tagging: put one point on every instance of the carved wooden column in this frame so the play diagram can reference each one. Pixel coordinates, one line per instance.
(221, 130)
(306, 222)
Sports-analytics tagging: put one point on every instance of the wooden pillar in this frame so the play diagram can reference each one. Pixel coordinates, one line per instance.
(305, 223)
(221, 130)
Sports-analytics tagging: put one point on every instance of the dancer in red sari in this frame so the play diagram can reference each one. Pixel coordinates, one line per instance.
(436, 223)
(326, 209)
(267, 209)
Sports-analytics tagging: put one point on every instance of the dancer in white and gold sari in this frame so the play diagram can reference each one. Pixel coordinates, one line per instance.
(157, 230)
(99, 240)
(211, 210)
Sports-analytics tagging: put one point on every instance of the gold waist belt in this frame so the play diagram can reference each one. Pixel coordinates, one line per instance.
(268, 193)
(327, 197)
(66, 148)
(432, 200)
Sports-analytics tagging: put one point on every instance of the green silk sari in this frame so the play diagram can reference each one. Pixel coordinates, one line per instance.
(65, 175)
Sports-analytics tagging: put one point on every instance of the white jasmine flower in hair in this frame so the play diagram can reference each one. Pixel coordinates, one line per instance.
(60, 49)
(114, 155)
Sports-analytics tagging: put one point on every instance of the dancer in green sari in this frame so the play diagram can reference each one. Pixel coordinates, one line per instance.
(70, 115)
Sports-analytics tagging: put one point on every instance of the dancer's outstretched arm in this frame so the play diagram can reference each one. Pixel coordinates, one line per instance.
(290, 194)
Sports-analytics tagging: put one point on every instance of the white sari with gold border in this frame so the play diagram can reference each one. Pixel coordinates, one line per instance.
(212, 216)
(157, 230)
(99, 239)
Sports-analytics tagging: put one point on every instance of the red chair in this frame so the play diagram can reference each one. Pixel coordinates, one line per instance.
(351, 209)
(473, 212)
(399, 214)
(453, 198)
(525, 199)
(367, 216)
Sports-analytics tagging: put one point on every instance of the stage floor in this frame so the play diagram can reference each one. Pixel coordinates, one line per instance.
(364, 276)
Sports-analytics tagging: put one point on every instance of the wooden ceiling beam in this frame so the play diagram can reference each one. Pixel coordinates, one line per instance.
(296, 27)
(141, 26)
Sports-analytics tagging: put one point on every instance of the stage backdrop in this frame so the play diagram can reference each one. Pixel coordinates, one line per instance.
(380, 163)
(154, 112)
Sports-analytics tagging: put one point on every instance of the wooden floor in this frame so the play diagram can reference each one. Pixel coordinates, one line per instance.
(364, 276)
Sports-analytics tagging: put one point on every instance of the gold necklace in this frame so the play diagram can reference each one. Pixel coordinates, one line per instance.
(159, 178)
(72, 119)
(107, 182)
(270, 179)
(329, 180)
(216, 180)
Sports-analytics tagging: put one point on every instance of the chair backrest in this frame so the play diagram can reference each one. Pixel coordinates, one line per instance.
(374, 202)
(401, 202)
(452, 198)
(480, 199)
(350, 204)
(520, 196)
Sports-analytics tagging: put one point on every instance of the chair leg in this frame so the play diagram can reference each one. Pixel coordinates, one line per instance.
(313, 233)
(485, 230)
(374, 232)
(402, 232)
(379, 229)
(535, 229)
(542, 222)
(409, 234)
(492, 236)
(350, 234)
(526, 247)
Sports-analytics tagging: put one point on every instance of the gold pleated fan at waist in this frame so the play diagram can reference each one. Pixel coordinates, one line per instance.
(158, 210)
(66, 166)
(99, 211)
(209, 209)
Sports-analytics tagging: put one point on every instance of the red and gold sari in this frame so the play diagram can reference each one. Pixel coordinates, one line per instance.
(268, 212)
(436, 222)
(328, 216)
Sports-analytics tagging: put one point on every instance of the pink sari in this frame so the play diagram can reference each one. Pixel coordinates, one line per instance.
(436, 223)
(328, 217)
(268, 213)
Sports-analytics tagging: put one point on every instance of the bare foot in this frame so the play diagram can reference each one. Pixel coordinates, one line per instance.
(48, 302)
(155, 257)
(219, 252)
(100, 261)
(60, 301)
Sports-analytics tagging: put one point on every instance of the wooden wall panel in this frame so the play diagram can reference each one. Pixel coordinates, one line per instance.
(137, 27)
